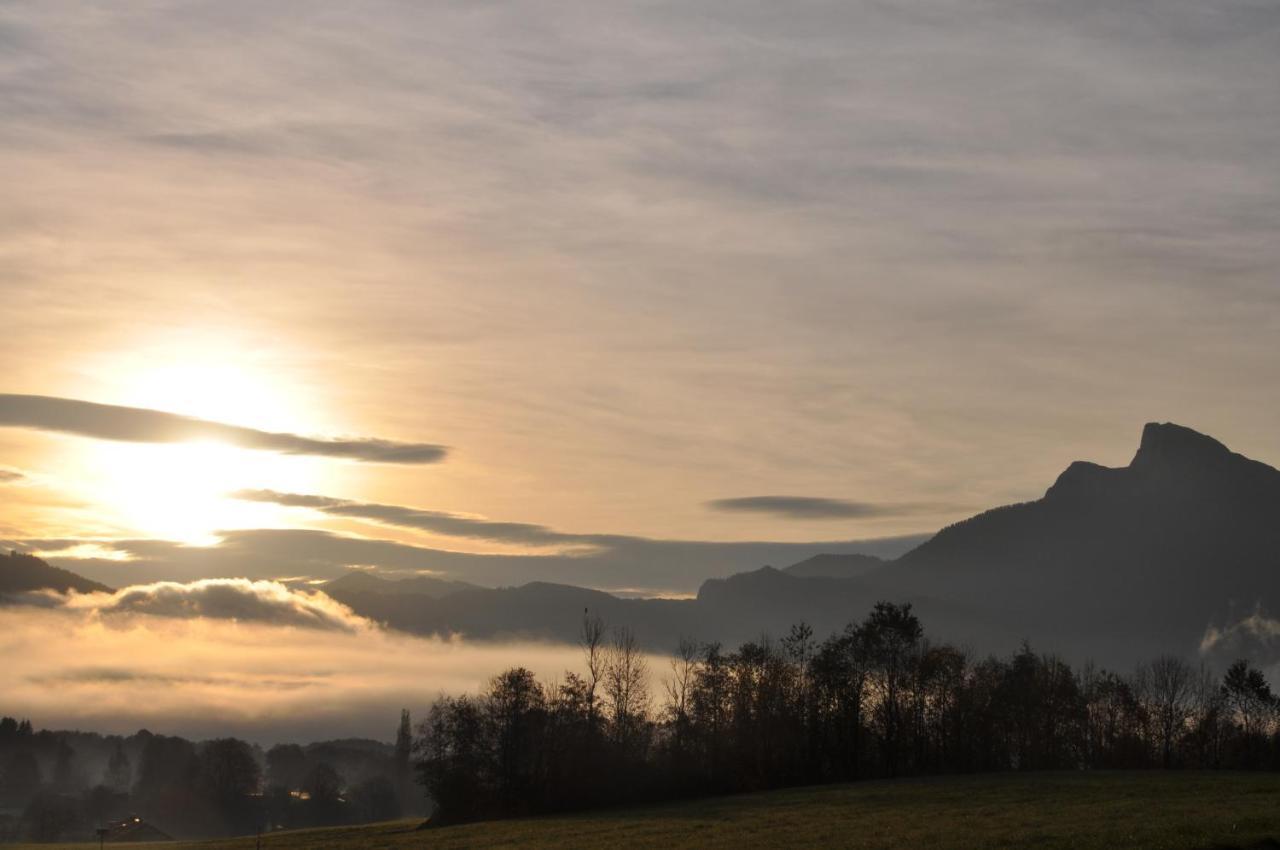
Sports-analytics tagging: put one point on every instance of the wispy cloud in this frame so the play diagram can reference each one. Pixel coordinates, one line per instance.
(11, 476)
(142, 425)
(435, 522)
(809, 507)
(781, 244)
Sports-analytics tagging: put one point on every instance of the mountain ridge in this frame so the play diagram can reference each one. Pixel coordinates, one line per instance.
(1111, 563)
(22, 573)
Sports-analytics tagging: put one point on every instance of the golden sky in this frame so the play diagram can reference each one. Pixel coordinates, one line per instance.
(895, 262)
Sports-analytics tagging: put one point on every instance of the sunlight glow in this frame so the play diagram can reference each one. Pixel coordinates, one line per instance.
(179, 491)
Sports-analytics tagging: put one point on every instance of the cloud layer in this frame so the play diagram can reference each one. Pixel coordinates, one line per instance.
(652, 567)
(802, 507)
(241, 600)
(202, 676)
(140, 425)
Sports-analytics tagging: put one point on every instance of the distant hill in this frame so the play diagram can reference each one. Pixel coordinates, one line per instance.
(21, 573)
(1115, 564)
(731, 610)
(835, 566)
(358, 581)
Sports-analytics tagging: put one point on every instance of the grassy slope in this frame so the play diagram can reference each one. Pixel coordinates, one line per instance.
(1096, 810)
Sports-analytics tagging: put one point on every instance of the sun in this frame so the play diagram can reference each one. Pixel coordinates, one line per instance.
(181, 491)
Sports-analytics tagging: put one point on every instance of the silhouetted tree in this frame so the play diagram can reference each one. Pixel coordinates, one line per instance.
(403, 783)
(63, 767)
(1166, 687)
(1251, 705)
(890, 637)
(455, 760)
(21, 778)
(118, 775)
(324, 784)
(229, 778)
(626, 690)
(375, 799)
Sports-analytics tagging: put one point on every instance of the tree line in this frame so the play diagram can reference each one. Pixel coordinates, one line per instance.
(61, 786)
(877, 699)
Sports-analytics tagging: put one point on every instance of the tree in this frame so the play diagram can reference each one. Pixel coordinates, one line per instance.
(63, 767)
(516, 706)
(455, 763)
(286, 766)
(403, 756)
(8, 731)
(1114, 721)
(375, 799)
(230, 780)
(50, 816)
(626, 689)
(1248, 698)
(228, 770)
(21, 778)
(679, 687)
(167, 764)
(890, 636)
(323, 784)
(593, 647)
(1166, 687)
(119, 772)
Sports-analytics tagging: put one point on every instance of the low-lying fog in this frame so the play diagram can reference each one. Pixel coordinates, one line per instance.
(233, 657)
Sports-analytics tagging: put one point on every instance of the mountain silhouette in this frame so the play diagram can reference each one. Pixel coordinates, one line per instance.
(1141, 556)
(849, 565)
(1115, 564)
(361, 582)
(21, 573)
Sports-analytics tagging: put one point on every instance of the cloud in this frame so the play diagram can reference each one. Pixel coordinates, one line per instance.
(141, 425)
(241, 600)
(654, 567)
(435, 522)
(1255, 637)
(203, 677)
(758, 220)
(803, 507)
(11, 476)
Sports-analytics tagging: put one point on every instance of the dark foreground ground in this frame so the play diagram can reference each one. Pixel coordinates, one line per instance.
(1078, 811)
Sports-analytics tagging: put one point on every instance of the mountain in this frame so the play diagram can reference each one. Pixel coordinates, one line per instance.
(21, 573)
(1131, 560)
(835, 566)
(1114, 564)
(358, 581)
(538, 610)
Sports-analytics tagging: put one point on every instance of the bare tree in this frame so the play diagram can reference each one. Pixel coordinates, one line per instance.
(592, 639)
(1167, 688)
(626, 686)
(684, 667)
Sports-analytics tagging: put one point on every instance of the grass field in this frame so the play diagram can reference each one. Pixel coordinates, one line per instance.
(1095, 810)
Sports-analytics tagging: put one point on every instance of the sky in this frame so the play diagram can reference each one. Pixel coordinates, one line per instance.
(623, 295)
